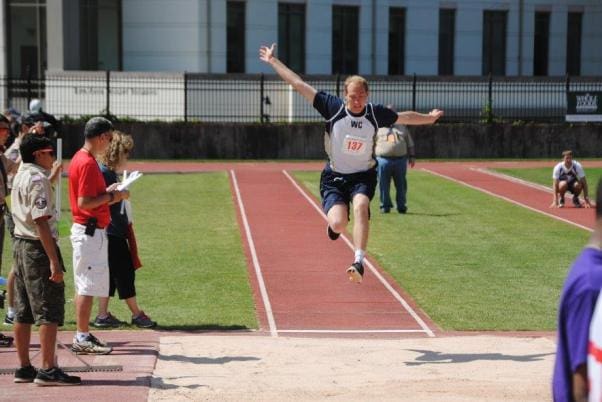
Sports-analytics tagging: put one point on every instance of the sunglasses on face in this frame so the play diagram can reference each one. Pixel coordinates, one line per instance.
(46, 151)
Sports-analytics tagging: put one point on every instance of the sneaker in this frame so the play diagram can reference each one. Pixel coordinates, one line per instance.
(90, 346)
(576, 201)
(55, 376)
(25, 374)
(8, 320)
(6, 341)
(110, 321)
(561, 202)
(143, 321)
(403, 210)
(356, 272)
(332, 235)
(385, 210)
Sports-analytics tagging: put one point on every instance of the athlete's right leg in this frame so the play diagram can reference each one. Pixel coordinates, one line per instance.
(563, 186)
(338, 217)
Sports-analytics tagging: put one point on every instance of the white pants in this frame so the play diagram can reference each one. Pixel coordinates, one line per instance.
(90, 261)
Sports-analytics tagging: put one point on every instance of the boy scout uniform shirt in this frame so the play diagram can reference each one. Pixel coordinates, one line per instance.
(32, 198)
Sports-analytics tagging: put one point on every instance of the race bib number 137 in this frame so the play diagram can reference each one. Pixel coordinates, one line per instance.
(354, 145)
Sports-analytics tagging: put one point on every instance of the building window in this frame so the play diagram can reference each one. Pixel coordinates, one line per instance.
(235, 37)
(447, 31)
(573, 44)
(291, 35)
(494, 42)
(345, 43)
(397, 40)
(100, 34)
(26, 28)
(541, 43)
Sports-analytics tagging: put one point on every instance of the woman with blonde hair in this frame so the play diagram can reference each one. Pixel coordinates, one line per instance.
(123, 260)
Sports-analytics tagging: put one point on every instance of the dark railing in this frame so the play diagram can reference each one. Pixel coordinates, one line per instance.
(267, 99)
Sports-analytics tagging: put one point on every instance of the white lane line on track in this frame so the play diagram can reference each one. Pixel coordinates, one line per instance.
(507, 199)
(351, 331)
(260, 281)
(513, 179)
(386, 284)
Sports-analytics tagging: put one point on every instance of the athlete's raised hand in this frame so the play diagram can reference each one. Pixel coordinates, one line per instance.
(267, 54)
(436, 114)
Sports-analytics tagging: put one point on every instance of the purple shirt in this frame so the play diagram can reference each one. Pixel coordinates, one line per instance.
(577, 303)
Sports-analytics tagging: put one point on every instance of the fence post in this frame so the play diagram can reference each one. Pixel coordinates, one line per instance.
(414, 93)
(108, 107)
(185, 97)
(28, 86)
(261, 89)
(490, 100)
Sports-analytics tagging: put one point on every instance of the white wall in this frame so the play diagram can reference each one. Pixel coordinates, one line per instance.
(162, 36)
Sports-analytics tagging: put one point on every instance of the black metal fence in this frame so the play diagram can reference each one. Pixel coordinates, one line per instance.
(266, 98)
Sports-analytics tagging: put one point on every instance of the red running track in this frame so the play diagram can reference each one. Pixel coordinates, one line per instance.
(302, 287)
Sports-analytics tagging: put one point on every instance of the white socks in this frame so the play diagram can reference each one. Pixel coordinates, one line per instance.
(11, 312)
(359, 255)
(81, 336)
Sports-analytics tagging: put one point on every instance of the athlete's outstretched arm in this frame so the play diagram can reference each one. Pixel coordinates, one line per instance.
(267, 54)
(414, 118)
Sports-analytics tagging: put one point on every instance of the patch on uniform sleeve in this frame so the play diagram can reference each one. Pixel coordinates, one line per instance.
(36, 177)
(40, 203)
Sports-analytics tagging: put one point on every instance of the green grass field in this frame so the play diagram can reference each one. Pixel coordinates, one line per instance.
(472, 261)
(194, 274)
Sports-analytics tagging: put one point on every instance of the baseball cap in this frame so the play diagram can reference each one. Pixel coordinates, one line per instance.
(96, 126)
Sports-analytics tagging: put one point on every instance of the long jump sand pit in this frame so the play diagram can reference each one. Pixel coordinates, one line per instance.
(260, 368)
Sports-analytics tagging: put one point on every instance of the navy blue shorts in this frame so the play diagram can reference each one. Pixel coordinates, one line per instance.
(338, 188)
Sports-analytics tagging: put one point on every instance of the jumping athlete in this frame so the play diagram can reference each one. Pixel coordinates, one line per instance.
(349, 176)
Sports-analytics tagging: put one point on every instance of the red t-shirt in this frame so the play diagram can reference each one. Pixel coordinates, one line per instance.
(86, 180)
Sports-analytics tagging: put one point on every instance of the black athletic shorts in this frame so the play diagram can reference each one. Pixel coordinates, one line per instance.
(338, 188)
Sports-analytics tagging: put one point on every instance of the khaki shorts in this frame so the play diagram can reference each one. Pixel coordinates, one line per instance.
(37, 298)
(90, 261)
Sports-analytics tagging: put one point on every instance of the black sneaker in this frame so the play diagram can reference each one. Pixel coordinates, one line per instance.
(332, 235)
(110, 321)
(561, 202)
(356, 272)
(25, 374)
(8, 320)
(143, 321)
(6, 341)
(576, 201)
(55, 376)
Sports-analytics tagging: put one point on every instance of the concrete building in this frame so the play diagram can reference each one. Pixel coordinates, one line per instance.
(395, 37)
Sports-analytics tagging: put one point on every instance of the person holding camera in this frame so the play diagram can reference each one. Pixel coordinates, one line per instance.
(39, 286)
(90, 200)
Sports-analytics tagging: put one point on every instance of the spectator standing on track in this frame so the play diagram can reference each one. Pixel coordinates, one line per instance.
(90, 200)
(350, 173)
(569, 175)
(122, 263)
(7, 167)
(27, 124)
(394, 151)
(39, 286)
(577, 301)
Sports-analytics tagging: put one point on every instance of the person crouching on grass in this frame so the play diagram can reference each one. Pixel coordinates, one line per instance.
(39, 285)
(123, 259)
